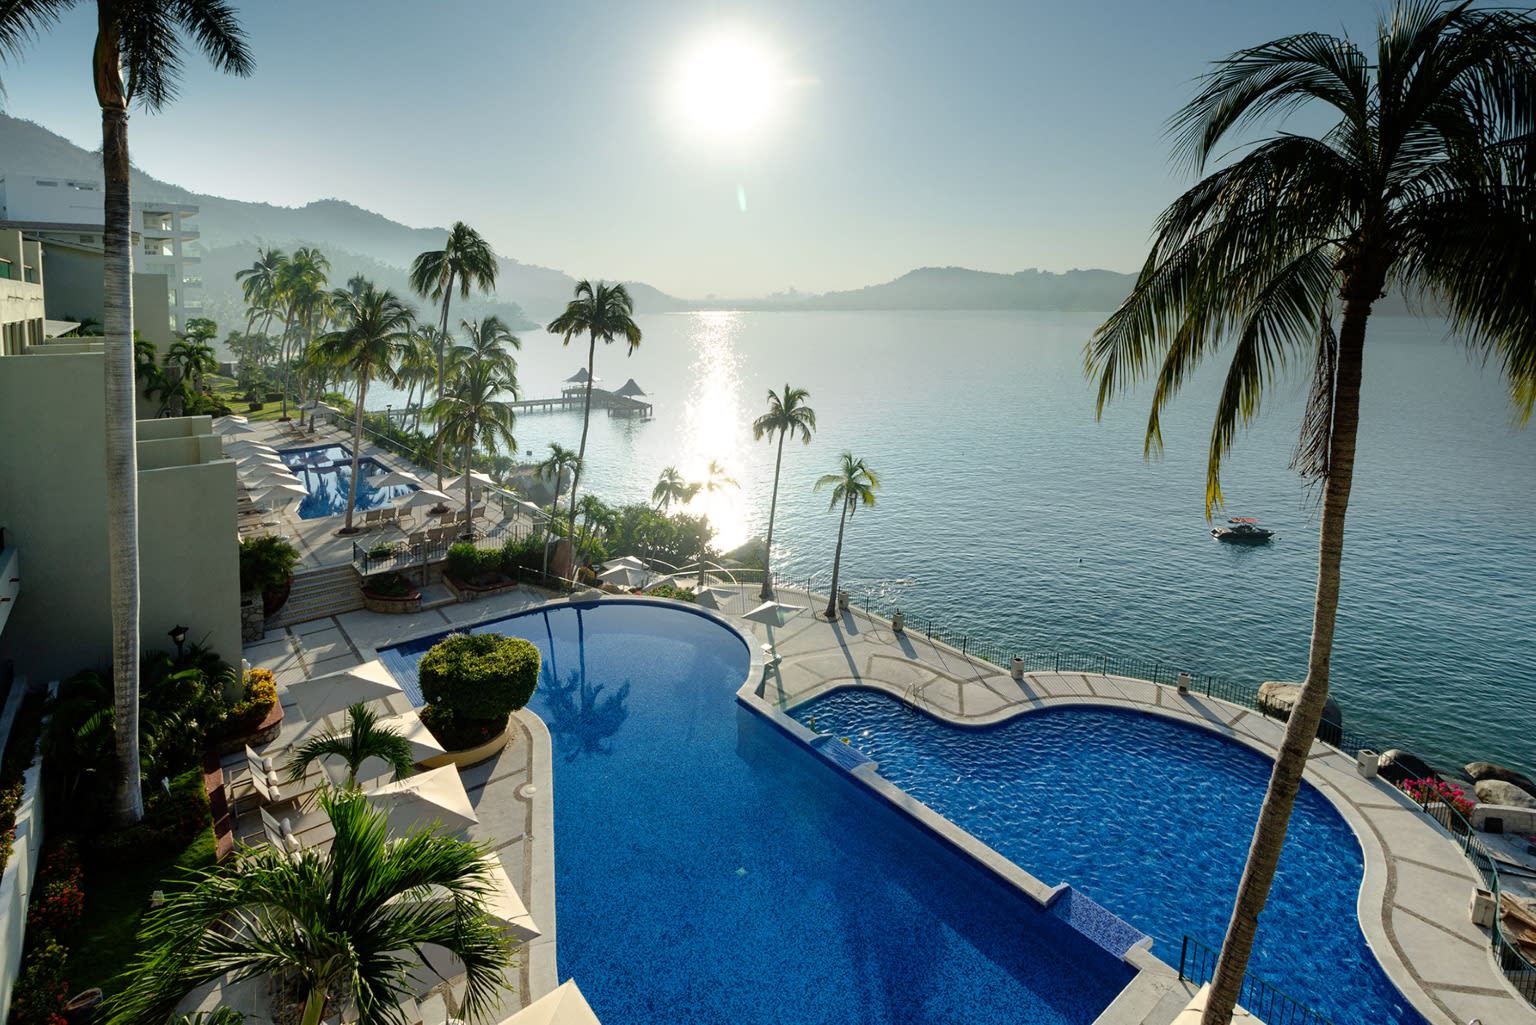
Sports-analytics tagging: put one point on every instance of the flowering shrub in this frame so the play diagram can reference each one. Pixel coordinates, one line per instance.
(246, 714)
(41, 989)
(57, 899)
(1439, 791)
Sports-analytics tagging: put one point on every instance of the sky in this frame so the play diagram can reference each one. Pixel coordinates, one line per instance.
(709, 148)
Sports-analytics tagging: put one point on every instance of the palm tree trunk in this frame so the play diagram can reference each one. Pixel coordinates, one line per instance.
(469, 452)
(121, 441)
(357, 446)
(285, 353)
(767, 592)
(586, 418)
(442, 339)
(1301, 730)
(314, 1007)
(837, 562)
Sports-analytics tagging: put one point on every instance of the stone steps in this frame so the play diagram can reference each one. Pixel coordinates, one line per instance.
(316, 594)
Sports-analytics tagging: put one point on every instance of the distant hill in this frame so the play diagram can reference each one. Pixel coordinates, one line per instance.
(359, 241)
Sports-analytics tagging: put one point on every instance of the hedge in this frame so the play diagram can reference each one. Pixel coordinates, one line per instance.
(480, 676)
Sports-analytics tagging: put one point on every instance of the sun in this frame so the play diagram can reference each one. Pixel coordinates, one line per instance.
(727, 87)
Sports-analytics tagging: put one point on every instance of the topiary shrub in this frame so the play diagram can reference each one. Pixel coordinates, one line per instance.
(480, 676)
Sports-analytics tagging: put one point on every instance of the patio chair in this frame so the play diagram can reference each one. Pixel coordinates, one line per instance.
(279, 834)
(416, 537)
(264, 780)
(371, 517)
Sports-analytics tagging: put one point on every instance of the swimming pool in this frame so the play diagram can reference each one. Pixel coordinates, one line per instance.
(708, 870)
(326, 471)
(1150, 817)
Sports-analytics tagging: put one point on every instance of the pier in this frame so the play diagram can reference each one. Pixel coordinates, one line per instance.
(571, 398)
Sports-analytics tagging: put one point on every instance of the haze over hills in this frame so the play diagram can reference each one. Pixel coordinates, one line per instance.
(359, 241)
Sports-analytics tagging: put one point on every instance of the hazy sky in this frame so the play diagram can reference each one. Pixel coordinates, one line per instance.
(831, 145)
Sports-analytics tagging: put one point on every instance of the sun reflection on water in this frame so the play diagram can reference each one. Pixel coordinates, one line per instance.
(714, 427)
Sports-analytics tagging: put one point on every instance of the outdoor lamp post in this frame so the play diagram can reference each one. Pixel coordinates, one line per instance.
(178, 635)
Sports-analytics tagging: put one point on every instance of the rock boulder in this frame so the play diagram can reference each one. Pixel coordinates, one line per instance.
(1277, 698)
(1479, 771)
(1397, 766)
(1497, 791)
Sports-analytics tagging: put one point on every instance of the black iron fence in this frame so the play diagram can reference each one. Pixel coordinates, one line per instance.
(400, 555)
(1268, 1003)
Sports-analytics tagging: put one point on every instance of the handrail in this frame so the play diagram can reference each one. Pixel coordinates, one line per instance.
(1265, 1001)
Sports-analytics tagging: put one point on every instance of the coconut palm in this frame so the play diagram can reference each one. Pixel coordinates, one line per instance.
(193, 360)
(787, 416)
(854, 484)
(260, 284)
(466, 261)
(490, 341)
(418, 367)
(137, 58)
(1424, 183)
(606, 312)
(362, 739)
(471, 416)
(561, 461)
(346, 923)
(302, 292)
(374, 328)
(671, 487)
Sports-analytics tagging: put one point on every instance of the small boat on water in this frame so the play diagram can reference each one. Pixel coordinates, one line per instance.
(1242, 530)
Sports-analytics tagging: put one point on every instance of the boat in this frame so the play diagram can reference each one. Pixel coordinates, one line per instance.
(1242, 530)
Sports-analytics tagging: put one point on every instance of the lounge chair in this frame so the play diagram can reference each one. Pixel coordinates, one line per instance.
(264, 780)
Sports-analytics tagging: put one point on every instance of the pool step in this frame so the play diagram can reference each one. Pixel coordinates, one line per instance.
(318, 593)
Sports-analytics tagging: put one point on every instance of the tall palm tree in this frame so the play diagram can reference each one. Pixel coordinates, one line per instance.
(261, 284)
(671, 487)
(787, 416)
(1424, 183)
(301, 288)
(192, 360)
(561, 461)
(361, 739)
(854, 484)
(466, 261)
(374, 328)
(471, 416)
(606, 312)
(346, 923)
(137, 58)
(418, 367)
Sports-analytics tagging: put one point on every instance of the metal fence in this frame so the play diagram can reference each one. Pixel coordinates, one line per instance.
(398, 556)
(1268, 1003)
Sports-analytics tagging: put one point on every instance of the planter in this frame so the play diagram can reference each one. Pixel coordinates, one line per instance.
(392, 606)
(83, 1006)
(468, 756)
(473, 592)
(273, 600)
(265, 732)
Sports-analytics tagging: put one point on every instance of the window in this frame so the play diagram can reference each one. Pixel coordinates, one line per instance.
(48, 185)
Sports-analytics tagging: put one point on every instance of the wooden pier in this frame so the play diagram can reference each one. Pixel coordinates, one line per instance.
(572, 398)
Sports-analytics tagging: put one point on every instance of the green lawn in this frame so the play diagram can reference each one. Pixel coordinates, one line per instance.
(116, 898)
(224, 389)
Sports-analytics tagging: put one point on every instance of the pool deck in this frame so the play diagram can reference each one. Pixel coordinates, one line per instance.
(1413, 904)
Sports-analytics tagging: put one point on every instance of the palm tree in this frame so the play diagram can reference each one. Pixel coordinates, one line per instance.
(346, 923)
(362, 739)
(561, 461)
(605, 312)
(261, 285)
(374, 328)
(471, 416)
(193, 360)
(301, 289)
(490, 341)
(671, 487)
(1423, 183)
(787, 416)
(854, 484)
(465, 261)
(418, 366)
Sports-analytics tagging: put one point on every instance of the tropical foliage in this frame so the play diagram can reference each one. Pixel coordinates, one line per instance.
(787, 416)
(671, 487)
(854, 484)
(360, 738)
(1422, 180)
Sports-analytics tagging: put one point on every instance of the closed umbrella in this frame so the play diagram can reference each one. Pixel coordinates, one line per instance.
(334, 692)
(417, 802)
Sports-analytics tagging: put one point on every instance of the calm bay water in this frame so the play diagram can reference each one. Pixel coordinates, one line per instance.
(1006, 511)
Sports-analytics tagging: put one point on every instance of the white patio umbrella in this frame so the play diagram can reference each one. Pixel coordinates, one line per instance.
(626, 576)
(278, 495)
(416, 802)
(628, 560)
(231, 426)
(425, 497)
(323, 695)
(505, 907)
(457, 484)
(562, 1006)
(258, 473)
(242, 447)
(395, 478)
(772, 613)
(708, 598)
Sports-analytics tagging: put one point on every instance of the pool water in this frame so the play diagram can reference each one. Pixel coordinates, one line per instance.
(710, 870)
(1151, 818)
(326, 471)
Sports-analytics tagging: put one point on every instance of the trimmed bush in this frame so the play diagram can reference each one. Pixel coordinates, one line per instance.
(389, 585)
(470, 565)
(480, 676)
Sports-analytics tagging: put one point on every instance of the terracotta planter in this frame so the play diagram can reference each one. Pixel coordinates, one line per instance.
(472, 592)
(392, 606)
(468, 756)
(273, 600)
(265, 732)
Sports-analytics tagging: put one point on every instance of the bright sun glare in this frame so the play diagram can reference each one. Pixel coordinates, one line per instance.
(727, 87)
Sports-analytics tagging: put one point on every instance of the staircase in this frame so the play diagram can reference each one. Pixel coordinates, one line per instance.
(317, 593)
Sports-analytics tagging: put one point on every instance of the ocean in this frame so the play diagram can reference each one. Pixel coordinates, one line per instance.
(1008, 512)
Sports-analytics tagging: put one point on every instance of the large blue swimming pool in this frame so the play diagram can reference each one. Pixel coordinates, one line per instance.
(326, 471)
(1151, 818)
(709, 870)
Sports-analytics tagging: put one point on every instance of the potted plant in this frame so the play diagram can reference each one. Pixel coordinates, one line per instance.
(266, 565)
(390, 593)
(473, 683)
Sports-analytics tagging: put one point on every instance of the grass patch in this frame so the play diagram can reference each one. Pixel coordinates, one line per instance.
(117, 896)
(225, 390)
